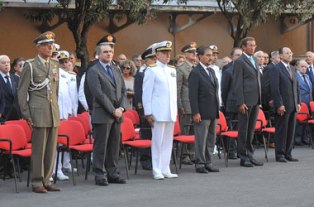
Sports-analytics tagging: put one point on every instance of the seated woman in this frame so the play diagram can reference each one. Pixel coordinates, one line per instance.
(128, 71)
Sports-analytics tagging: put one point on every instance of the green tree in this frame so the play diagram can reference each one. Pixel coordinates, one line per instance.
(242, 15)
(80, 15)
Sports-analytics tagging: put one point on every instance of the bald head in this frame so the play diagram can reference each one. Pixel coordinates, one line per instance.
(5, 64)
(260, 57)
(309, 57)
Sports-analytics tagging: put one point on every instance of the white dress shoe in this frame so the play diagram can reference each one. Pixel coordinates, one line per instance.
(170, 175)
(51, 179)
(159, 177)
(69, 169)
(61, 176)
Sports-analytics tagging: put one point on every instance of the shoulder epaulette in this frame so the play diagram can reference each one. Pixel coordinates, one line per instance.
(72, 72)
(152, 65)
(30, 60)
(171, 66)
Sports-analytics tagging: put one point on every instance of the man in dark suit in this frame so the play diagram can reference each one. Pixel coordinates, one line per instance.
(9, 109)
(286, 96)
(246, 83)
(310, 70)
(203, 92)
(109, 95)
(228, 96)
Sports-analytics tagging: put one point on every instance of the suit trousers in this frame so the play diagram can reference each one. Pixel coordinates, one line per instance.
(44, 143)
(106, 150)
(284, 135)
(205, 139)
(246, 130)
(162, 140)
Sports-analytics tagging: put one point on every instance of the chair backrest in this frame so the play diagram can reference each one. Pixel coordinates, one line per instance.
(85, 123)
(16, 134)
(177, 128)
(85, 115)
(127, 130)
(312, 106)
(23, 123)
(221, 123)
(304, 113)
(73, 129)
(128, 114)
(136, 120)
(263, 121)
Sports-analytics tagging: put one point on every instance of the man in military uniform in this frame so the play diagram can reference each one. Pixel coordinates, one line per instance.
(149, 56)
(184, 108)
(38, 101)
(160, 108)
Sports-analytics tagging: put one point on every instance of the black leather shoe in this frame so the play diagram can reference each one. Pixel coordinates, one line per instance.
(291, 159)
(232, 157)
(187, 161)
(256, 163)
(117, 180)
(201, 170)
(102, 182)
(281, 159)
(246, 163)
(212, 168)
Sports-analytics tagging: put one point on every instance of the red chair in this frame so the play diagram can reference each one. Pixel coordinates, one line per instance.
(133, 116)
(13, 143)
(86, 126)
(223, 133)
(28, 132)
(71, 136)
(183, 139)
(128, 140)
(304, 118)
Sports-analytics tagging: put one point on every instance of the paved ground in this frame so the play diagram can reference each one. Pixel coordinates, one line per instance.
(274, 184)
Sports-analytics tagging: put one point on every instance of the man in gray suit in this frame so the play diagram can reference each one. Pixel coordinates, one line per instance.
(247, 84)
(109, 95)
(184, 108)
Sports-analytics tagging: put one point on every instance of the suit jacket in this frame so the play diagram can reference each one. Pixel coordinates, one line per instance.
(305, 88)
(247, 83)
(203, 93)
(183, 72)
(9, 109)
(285, 90)
(266, 90)
(107, 96)
(42, 105)
(228, 94)
(160, 92)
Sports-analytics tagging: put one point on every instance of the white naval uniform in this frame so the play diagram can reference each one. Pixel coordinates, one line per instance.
(64, 100)
(160, 100)
(73, 92)
(218, 74)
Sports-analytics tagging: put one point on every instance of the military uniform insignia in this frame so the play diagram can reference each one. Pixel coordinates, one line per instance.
(173, 74)
(54, 72)
(49, 35)
(139, 105)
(63, 76)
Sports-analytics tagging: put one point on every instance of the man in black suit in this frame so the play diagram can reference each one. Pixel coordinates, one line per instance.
(109, 95)
(203, 92)
(228, 96)
(8, 84)
(286, 96)
(246, 83)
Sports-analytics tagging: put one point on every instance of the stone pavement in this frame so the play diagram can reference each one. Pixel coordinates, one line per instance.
(274, 184)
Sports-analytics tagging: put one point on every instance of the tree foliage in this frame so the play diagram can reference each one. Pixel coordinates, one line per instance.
(80, 15)
(242, 15)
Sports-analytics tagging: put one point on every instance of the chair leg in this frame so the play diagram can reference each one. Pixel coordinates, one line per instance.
(181, 155)
(28, 174)
(175, 161)
(227, 152)
(18, 169)
(87, 165)
(14, 171)
(136, 162)
(71, 161)
(265, 149)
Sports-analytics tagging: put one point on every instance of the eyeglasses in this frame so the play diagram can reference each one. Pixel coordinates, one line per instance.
(126, 68)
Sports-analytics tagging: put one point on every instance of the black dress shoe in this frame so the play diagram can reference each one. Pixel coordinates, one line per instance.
(281, 159)
(201, 170)
(187, 161)
(256, 163)
(101, 182)
(117, 180)
(246, 163)
(291, 159)
(232, 157)
(211, 168)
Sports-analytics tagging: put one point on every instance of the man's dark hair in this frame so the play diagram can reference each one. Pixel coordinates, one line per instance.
(280, 50)
(201, 50)
(245, 40)
(233, 50)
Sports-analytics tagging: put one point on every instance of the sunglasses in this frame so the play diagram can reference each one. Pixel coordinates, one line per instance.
(126, 68)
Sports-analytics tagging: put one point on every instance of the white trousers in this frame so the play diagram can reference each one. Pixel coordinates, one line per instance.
(162, 140)
(66, 162)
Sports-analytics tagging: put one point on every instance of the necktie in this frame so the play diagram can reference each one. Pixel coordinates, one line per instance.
(289, 70)
(210, 73)
(8, 83)
(252, 61)
(110, 73)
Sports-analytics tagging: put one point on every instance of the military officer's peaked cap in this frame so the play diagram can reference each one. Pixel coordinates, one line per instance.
(189, 47)
(149, 52)
(214, 48)
(163, 46)
(62, 54)
(107, 40)
(47, 37)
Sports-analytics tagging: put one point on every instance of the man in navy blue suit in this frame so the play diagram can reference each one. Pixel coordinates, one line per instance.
(9, 109)
(286, 96)
(310, 69)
